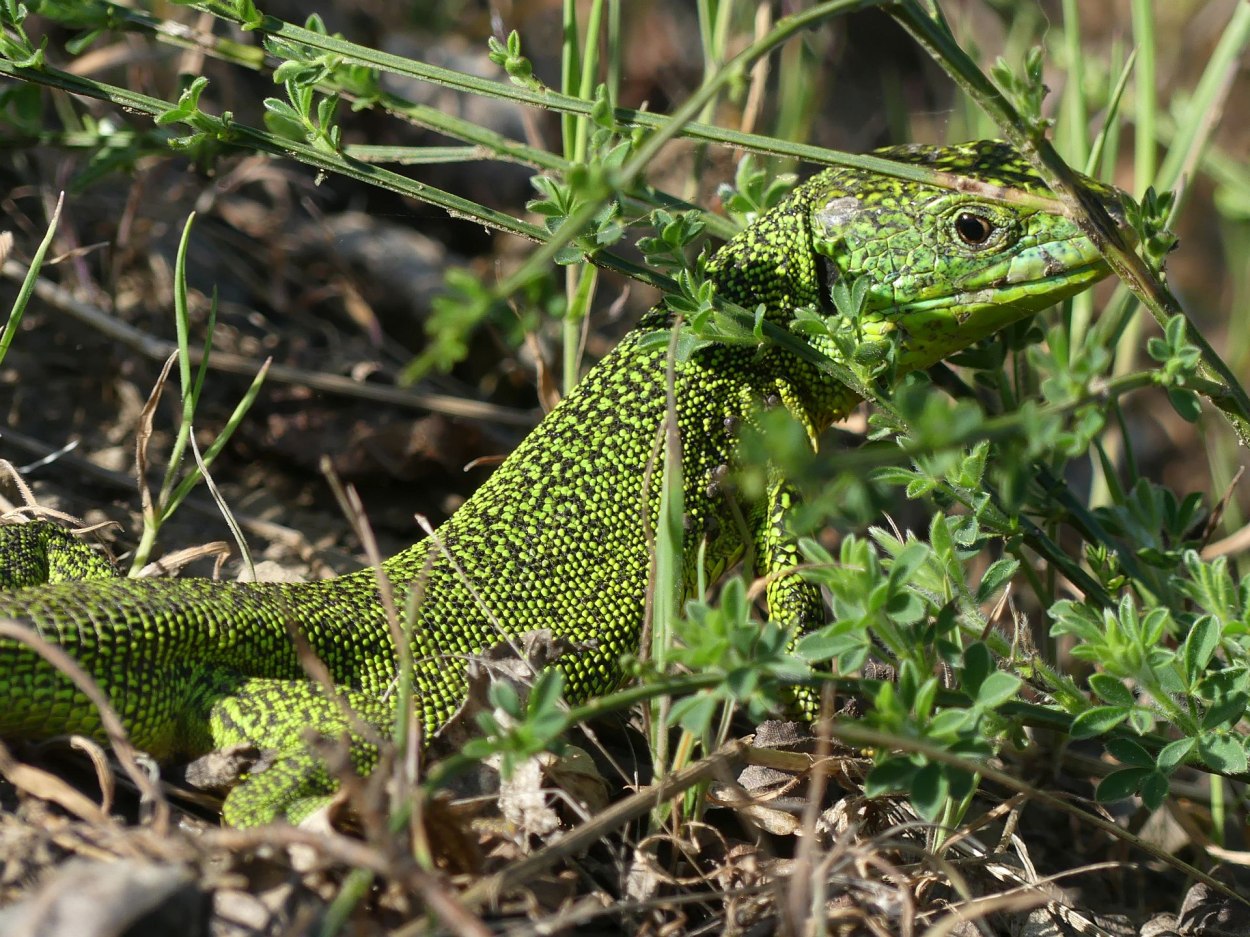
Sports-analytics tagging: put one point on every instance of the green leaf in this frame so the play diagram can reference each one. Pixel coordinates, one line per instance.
(907, 561)
(1226, 711)
(1200, 645)
(741, 682)
(1141, 720)
(906, 608)
(1071, 618)
(1130, 753)
(893, 475)
(188, 104)
(282, 109)
(503, 695)
(998, 688)
(926, 693)
(852, 661)
(929, 791)
(997, 576)
(1154, 790)
(949, 723)
(1110, 690)
(1098, 721)
(1186, 403)
(978, 664)
(694, 713)
(940, 536)
(961, 782)
(546, 693)
(1121, 784)
(1223, 753)
(919, 487)
(889, 776)
(825, 644)
(1174, 754)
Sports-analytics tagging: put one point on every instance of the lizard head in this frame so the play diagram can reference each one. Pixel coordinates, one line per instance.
(945, 267)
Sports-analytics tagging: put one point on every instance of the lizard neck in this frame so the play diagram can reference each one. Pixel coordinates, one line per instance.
(772, 262)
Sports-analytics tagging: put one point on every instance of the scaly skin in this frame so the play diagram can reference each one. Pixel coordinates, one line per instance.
(557, 537)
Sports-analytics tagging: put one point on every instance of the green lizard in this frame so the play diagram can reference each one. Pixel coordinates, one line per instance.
(557, 537)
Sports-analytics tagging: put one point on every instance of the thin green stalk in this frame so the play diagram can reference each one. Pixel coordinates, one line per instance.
(155, 514)
(795, 91)
(580, 279)
(704, 15)
(615, 44)
(667, 584)
(233, 422)
(415, 155)
(714, 17)
(952, 817)
(1075, 112)
(1146, 142)
(580, 288)
(28, 283)
(1101, 154)
(1145, 148)
(1224, 455)
(174, 490)
(1219, 810)
(626, 117)
(569, 72)
(588, 78)
(354, 53)
(182, 327)
(356, 886)
(1075, 127)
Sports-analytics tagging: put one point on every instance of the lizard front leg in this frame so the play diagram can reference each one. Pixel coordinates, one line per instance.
(792, 601)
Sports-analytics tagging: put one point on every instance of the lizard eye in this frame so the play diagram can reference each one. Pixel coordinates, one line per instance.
(973, 230)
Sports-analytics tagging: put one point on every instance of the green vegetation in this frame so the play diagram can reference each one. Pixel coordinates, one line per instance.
(1014, 598)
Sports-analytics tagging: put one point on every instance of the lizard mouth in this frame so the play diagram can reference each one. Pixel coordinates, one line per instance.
(1004, 291)
(1029, 293)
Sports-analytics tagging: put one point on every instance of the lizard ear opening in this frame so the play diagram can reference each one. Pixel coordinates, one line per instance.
(829, 223)
(834, 215)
